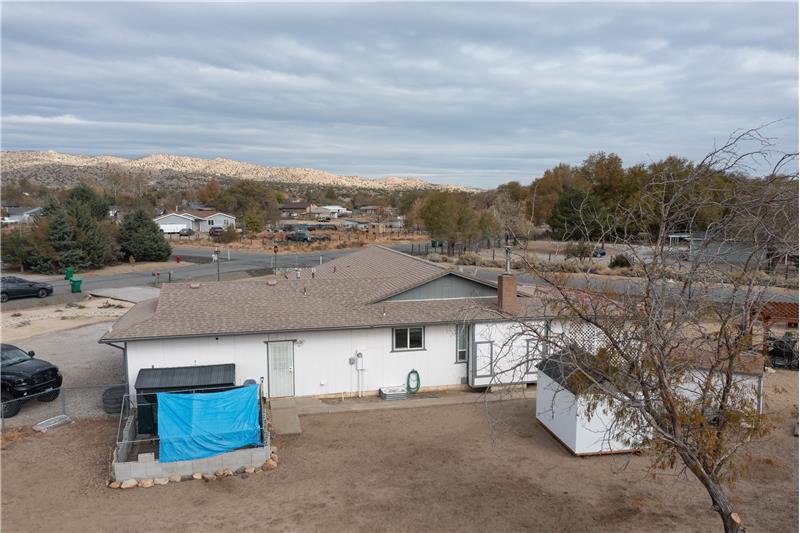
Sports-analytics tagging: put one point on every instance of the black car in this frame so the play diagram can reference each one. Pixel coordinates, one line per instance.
(186, 232)
(299, 236)
(14, 287)
(24, 378)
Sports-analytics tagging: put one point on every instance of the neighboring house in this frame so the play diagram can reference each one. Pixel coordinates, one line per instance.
(360, 225)
(359, 323)
(325, 211)
(295, 208)
(371, 210)
(395, 223)
(199, 221)
(174, 222)
(113, 212)
(20, 215)
(340, 211)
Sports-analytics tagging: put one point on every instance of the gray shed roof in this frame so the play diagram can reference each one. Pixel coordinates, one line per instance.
(186, 377)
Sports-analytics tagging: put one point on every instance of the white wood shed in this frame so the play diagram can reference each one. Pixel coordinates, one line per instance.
(563, 412)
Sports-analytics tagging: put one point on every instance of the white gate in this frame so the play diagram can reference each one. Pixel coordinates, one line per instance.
(280, 367)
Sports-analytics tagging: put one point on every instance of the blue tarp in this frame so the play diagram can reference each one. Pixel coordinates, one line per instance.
(197, 425)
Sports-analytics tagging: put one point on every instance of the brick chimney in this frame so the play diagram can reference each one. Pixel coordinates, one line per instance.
(507, 289)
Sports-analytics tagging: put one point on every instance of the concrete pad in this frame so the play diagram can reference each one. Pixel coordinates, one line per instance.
(128, 294)
(286, 422)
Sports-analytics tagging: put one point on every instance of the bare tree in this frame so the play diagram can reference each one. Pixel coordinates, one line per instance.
(665, 352)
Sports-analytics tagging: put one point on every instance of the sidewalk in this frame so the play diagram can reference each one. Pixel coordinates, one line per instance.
(286, 412)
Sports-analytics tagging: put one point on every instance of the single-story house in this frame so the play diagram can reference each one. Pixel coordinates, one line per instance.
(198, 221)
(358, 323)
(295, 208)
(329, 211)
(20, 215)
(353, 224)
(395, 223)
(371, 210)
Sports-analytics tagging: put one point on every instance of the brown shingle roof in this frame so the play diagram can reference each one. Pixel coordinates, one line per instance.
(342, 295)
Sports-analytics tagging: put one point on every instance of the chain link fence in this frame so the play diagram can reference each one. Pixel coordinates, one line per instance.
(75, 402)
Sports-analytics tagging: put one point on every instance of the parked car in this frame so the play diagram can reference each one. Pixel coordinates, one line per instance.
(23, 378)
(599, 252)
(186, 232)
(299, 236)
(14, 287)
(215, 231)
(318, 238)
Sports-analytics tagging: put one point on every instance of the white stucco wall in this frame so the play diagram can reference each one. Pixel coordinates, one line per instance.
(509, 350)
(320, 358)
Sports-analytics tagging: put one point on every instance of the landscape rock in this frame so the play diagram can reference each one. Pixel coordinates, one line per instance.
(129, 484)
(227, 472)
(219, 473)
(240, 470)
(209, 477)
(114, 485)
(249, 470)
(146, 483)
(197, 475)
(161, 480)
(274, 456)
(269, 465)
(176, 478)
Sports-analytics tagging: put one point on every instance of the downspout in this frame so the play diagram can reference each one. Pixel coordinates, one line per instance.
(124, 349)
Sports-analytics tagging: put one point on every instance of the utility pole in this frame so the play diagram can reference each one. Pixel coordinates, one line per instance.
(216, 258)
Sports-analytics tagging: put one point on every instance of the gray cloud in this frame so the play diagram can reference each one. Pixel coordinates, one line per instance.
(466, 93)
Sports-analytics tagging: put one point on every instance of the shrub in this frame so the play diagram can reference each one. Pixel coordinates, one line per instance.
(619, 261)
(580, 249)
(229, 235)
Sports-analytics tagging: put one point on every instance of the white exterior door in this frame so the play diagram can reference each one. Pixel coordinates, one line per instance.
(280, 365)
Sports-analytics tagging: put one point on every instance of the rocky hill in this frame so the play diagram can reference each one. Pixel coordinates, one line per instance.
(54, 169)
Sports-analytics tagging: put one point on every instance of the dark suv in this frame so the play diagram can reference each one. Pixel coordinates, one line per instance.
(14, 287)
(24, 377)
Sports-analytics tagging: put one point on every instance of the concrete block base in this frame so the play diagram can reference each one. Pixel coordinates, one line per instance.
(245, 457)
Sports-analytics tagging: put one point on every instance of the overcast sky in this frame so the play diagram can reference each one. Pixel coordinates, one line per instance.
(459, 93)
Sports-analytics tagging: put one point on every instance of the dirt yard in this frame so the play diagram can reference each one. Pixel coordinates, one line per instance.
(426, 469)
(24, 323)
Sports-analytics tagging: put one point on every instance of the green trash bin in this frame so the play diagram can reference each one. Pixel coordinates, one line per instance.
(75, 284)
(70, 272)
(434, 244)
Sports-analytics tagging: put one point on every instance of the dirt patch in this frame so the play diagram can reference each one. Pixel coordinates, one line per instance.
(27, 323)
(426, 469)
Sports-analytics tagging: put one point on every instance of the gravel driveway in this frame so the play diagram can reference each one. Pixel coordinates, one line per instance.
(88, 368)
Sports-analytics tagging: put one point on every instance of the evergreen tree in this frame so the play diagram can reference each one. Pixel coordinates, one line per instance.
(141, 238)
(61, 237)
(88, 197)
(93, 238)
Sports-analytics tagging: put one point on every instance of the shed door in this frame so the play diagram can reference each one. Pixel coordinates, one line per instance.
(280, 361)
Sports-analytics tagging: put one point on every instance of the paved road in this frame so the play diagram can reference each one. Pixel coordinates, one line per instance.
(240, 263)
(243, 263)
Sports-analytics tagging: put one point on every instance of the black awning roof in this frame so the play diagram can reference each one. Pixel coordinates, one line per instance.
(186, 377)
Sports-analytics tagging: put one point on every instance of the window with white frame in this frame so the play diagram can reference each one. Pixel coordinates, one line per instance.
(408, 339)
(210, 222)
(462, 341)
